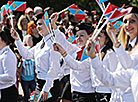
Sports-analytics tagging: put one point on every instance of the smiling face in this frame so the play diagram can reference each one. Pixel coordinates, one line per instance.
(131, 25)
(24, 23)
(102, 39)
(82, 37)
(41, 27)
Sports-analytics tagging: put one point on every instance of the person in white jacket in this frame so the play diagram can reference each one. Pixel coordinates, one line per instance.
(118, 79)
(8, 66)
(47, 66)
(127, 53)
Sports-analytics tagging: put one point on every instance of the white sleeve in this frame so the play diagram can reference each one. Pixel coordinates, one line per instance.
(113, 80)
(127, 60)
(76, 65)
(60, 38)
(9, 64)
(25, 53)
(54, 68)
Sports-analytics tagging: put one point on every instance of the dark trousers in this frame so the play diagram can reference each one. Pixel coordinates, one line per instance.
(83, 97)
(55, 90)
(65, 88)
(103, 97)
(26, 85)
(9, 94)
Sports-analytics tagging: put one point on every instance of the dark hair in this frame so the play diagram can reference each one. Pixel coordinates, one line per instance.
(37, 17)
(6, 36)
(109, 44)
(83, 26)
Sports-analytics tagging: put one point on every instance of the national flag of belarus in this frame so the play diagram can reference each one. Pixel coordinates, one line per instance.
(17, 5)
(45, 18)
(77, 12)
(118, 25)
(101, 1)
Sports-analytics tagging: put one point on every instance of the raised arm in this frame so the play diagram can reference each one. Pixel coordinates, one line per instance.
(60, 37)
(70, 61)
(126, 60)
(25, 53)
(115, 80)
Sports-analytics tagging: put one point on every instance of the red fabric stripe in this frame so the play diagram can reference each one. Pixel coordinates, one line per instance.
(0, 17)
(21, 8)
(97, 1)
(73, 7)
(110, 9)
(79, 53)
(80, 17)
(74, 42)
(10, 2)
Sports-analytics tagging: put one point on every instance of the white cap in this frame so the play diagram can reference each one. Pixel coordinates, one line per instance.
(37, 9)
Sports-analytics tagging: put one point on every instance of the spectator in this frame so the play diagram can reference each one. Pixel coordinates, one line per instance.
(22, 25)
(33, 36)
(38, 10)
(29, 13)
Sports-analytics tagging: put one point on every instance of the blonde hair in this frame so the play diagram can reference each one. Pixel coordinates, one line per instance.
(19, 24)
(123, 37)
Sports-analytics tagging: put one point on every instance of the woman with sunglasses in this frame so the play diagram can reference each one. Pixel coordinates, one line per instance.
(33, 36)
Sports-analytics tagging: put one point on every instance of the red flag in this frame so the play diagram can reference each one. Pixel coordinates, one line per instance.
(17, 5)
(74, 42)
(73, 7)
(118, 14)
(77, 12)
(4, 9)
(79, 53)
(110, 8)
(62, 15)
(0, 17)
(10, 2)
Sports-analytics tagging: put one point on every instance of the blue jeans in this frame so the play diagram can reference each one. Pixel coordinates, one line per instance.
(26, 85)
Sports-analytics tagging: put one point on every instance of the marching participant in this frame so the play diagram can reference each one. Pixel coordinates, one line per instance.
(80, 79)
(119, 79)
(8, 66)
(47, 66)
(129, 40)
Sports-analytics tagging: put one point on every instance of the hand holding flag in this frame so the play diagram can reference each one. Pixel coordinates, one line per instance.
(118, 25)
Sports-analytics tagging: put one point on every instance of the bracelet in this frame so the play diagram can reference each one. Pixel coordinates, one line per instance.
(117, 44)
(64, 54)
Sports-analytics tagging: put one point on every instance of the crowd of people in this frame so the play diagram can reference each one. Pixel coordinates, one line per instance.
(62, 63)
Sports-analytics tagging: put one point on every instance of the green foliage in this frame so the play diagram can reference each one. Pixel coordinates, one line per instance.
(59, 5)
